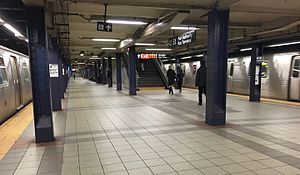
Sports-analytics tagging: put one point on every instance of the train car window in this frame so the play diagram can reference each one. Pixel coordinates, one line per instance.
(3, 75)
(231, 69)
(264, 69)
(296, 68)
(25, 72)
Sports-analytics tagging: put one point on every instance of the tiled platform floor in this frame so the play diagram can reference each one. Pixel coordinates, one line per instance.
(102, 131)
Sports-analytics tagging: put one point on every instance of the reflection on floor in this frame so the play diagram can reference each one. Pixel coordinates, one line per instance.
(102, 131)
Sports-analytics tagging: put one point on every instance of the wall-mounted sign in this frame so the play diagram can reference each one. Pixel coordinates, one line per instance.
(104, 27)
(146, 56)
(53, 70)
(185, 38)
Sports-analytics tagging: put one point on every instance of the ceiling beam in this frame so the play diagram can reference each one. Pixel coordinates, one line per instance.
(152, 5)
(226, 4)
(40, 3)
(265, 10)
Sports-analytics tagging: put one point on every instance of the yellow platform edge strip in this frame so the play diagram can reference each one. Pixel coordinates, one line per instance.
(151, 88)
(268, 100)
(13, 128)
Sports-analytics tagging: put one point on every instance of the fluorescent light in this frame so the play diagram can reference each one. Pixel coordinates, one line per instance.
(13, 30)
(144, 44)
(245, 49)
(158, 49)
(126, 22)
(284, 44)
(200, 55)
(95, 58)
(105, 40)
(26, 40)
(186, 57)
(184, 28)
(1, 20)
(108, 48)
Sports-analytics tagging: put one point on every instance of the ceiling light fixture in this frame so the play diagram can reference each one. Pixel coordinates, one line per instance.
(81, 53)
(105, 40)
(13, 30)
(108, 48)
(284, 44)
(1, 20)
(184, 28)
(186, 57)
(158, 49)
(200, 55)
(112, 21)
(245, 49)
(144, 44)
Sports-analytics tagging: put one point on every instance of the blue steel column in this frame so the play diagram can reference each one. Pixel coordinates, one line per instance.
(217, 67)
(55, 81)
(255, 87)
(178, 62)
(132, 71)
(95, 70)
(103, 71)
(38, 53)
(99, 76)
(109, 72)
(118, 71)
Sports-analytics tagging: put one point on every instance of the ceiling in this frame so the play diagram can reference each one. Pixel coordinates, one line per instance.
(249, 20)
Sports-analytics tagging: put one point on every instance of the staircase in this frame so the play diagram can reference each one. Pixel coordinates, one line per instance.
(150, 77)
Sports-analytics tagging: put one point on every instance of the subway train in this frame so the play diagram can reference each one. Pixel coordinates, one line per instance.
(280, 75)
(15, 82)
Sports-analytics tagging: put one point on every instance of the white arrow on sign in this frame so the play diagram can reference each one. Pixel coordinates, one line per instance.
(108, 27)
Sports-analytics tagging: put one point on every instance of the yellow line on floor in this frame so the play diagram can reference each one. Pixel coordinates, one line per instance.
(268, 100)
(13, 128)
(151, 88)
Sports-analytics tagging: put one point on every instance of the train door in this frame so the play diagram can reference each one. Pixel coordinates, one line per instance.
(295, 79)
(13, 61)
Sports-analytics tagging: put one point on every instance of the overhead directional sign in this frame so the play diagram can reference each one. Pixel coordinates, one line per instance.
(146, 56)
(185, 38)
(104, 27)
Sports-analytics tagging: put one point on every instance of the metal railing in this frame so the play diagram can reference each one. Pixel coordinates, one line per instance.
(162, 71)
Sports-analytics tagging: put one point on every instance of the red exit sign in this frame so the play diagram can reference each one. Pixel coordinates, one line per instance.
(148, 56)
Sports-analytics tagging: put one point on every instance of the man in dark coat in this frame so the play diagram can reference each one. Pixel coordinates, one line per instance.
(171, 79)
(201, 81)
(179, 79)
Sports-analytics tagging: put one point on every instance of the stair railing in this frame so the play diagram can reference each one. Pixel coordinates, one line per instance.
(162, 71)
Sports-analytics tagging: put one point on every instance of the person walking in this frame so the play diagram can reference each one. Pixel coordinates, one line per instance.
(171, 79)
(200, 81)
(179, 79)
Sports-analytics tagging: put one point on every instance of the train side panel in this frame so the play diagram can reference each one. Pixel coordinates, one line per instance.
(7, 92)
(275, 79)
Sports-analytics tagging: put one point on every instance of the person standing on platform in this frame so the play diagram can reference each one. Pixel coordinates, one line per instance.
(74, 75)
(200, 81)
(171, 79)
(179, 79)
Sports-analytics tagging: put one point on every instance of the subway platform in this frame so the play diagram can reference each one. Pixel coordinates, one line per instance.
(103, 131)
